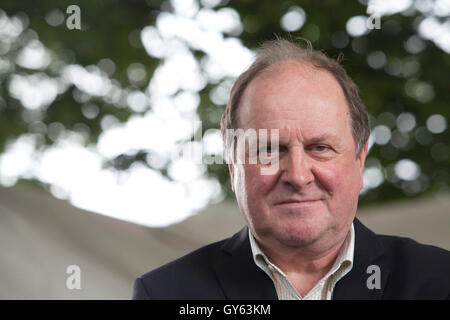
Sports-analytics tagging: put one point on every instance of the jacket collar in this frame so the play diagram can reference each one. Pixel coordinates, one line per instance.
(368, 251)
(241, 279)
(239, 276)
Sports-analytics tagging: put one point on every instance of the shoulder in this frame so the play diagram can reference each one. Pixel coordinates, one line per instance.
(194, 261)
(408, 269)
(400, 252)
(192, 272)
(417, 255)
(424, 270)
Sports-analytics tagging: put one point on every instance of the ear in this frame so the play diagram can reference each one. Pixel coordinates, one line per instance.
(362, 157)
(231, 170)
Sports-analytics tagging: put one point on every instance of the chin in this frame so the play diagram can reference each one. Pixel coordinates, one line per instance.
(292, 233)
(299, 234)
(292, 226)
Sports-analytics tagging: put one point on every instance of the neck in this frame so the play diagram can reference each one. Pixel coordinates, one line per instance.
(303, 267)
(302, 260)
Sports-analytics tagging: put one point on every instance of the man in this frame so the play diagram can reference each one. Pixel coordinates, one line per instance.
(302, 240)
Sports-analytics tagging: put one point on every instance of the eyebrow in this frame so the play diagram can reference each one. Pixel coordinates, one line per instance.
(322, 138)
(317, 139)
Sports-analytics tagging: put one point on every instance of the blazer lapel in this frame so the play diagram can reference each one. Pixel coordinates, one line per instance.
(238, 275)
(241, 279)
(368, 251)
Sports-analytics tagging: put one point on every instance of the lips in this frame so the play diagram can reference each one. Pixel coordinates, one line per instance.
(298, 201)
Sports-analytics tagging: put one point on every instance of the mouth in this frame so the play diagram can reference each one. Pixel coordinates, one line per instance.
(298, 202)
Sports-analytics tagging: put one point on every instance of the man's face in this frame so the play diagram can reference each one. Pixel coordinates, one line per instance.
(312, 198)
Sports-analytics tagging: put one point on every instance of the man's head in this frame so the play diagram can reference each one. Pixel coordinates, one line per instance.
(311, 200)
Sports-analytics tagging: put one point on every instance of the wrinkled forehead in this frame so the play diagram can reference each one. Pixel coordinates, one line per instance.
(292, 91)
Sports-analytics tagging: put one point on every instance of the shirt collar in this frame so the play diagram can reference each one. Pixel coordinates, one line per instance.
(345, 255)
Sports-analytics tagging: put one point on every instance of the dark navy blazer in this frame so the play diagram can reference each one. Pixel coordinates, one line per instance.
(226, 270)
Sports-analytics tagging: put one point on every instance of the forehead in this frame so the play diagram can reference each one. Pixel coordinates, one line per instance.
(294, 94)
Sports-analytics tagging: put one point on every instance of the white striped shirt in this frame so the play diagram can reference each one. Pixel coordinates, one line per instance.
(323, 290)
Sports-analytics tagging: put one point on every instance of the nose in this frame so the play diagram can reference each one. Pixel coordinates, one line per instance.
(296, 168)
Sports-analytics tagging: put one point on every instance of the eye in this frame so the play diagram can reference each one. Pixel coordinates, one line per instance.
(268, 149)
(271, 150)
(320, 148)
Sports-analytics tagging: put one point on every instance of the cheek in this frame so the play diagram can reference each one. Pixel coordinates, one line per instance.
(342, 182)
(328, 178)
(252, 192)
(258, 185)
